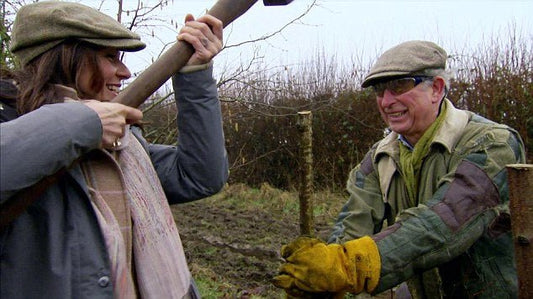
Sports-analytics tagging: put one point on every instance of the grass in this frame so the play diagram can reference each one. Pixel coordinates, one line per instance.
(232, 239)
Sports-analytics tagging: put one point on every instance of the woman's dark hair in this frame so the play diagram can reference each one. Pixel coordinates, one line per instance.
(63, 65)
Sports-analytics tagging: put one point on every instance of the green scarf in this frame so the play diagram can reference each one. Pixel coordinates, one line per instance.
(411, 161)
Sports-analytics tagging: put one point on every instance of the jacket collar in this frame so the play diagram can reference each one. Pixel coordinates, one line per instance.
(66, 93)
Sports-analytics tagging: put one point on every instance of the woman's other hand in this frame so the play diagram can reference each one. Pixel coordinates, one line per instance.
(114, 118)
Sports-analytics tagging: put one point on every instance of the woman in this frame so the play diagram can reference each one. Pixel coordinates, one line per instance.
(103, 227)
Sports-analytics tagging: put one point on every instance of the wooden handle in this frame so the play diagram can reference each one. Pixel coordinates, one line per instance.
(176, 57)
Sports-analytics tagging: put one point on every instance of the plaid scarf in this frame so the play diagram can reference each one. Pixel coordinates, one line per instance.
(145, 250)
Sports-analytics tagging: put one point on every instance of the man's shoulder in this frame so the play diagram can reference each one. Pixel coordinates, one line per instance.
(482, 133)
(481, 126)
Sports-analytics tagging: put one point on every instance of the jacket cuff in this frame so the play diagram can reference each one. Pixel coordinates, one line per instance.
(195, 68)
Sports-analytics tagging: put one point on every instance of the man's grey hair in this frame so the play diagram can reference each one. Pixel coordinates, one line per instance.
(446, 74)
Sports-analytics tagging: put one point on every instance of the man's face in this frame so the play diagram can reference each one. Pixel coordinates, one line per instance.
(409, 108)
(112, 71)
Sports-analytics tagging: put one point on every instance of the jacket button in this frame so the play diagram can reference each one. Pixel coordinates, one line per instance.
(103, 281)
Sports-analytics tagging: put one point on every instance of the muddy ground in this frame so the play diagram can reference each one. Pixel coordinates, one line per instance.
(232, 239)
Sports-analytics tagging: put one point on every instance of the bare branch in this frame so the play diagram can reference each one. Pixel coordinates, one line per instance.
(277, 32)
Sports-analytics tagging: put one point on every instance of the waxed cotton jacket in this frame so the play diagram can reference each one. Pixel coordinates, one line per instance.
(55, 248)
(456, 241)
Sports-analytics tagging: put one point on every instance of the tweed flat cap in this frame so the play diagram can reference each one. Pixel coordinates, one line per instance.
(408, 58)
(40, 26)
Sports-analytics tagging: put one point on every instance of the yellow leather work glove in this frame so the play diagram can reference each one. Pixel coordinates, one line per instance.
(313, 266)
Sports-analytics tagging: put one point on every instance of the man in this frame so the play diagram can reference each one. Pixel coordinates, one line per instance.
(429, 202)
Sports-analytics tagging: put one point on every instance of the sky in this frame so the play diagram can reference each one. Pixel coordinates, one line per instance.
(349, 30)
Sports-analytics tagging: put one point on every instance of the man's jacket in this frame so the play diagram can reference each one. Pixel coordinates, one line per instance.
(460, 223)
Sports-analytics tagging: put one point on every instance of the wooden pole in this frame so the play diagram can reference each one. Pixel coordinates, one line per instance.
(520, 177)
(306, 183)
(176, 56)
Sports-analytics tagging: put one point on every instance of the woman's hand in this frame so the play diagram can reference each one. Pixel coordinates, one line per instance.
(205, 35)
(114, 118)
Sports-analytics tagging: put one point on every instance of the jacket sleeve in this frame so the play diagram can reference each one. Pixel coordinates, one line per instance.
(364, 212)
(470, 202)
(39, 143)
(197, 167)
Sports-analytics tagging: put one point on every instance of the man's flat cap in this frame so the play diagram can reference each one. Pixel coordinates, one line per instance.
(410, 58)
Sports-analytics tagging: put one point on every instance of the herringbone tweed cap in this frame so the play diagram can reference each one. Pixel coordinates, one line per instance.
(41, 26)
(407, 59)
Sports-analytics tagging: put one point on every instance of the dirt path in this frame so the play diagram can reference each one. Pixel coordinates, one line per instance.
(233, 240)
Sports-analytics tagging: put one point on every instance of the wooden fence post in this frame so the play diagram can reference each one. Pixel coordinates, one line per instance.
(306, 172)
(520, 177)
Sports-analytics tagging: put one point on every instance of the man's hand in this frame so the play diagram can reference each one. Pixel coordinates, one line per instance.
(315, 267)
(114, 118)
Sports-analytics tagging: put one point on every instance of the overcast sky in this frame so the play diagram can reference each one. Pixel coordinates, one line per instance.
(353, 28)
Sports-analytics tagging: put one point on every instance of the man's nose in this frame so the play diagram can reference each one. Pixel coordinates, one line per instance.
(388, 98)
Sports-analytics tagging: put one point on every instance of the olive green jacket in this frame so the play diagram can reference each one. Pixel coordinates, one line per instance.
(461, 223)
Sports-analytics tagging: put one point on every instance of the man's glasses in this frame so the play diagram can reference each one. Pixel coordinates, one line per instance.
(399, 86)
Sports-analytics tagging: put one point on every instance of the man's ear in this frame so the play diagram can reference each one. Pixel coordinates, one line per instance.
(439, 88)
